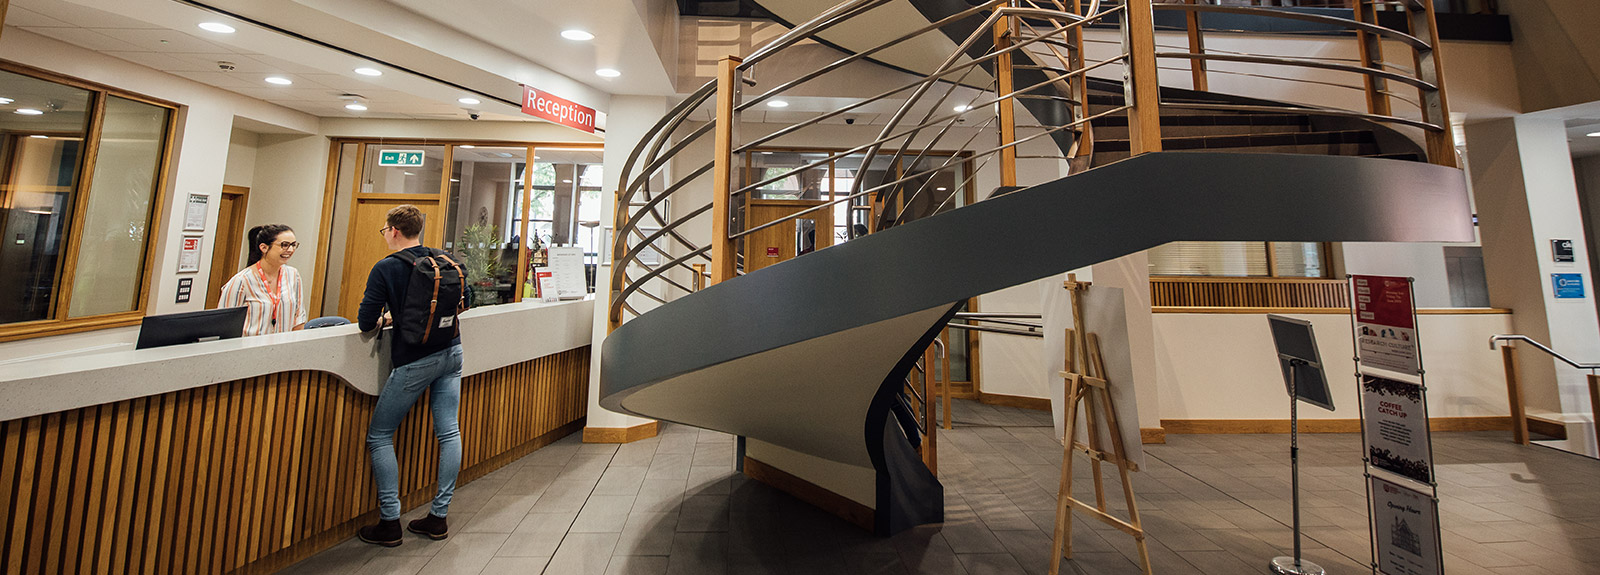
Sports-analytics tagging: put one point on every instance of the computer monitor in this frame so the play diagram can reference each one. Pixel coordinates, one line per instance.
(190, 327)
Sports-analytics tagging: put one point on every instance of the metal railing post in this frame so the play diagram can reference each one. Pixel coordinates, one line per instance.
(1142, 85)
(722, 244)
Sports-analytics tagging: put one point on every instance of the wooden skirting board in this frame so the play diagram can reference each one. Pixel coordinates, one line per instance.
(1018, 401)
(958, 390)
(620, 434)
(248, 476)
(839, 505)
(1151, 435)
(1203, 426)
(1546, 427)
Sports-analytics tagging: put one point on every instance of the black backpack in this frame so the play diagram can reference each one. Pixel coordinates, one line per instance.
(436, 294)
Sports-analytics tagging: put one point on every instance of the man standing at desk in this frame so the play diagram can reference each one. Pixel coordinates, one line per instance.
(418, 367)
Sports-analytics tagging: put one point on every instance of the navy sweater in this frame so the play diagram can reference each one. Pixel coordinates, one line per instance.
(386, 288)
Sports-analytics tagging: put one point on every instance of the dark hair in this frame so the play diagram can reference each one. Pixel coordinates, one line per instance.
(263, 235)
(406, 218)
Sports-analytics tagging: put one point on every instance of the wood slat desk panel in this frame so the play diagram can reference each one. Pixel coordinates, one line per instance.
(1247, 292)
(250, 475)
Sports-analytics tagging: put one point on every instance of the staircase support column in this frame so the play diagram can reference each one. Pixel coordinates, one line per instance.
(1008, 113)
(1142, 84)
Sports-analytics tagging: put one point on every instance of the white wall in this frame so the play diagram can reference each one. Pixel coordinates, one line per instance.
(241, 168)
(1223, 366)
(1423, 261)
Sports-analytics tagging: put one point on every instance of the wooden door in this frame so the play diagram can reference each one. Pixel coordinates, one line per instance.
(777, 243)
(227, 253)
(364, 246)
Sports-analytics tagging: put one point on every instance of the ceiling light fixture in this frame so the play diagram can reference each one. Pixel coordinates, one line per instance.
(39, 137)
(217, 27)
(409, 174)
(369, 72)
(453, 180)
(28, 111)
(279, 80)
(962, 108)
(941, 189)
(566, 181)
(356, 106)
(6, 100)
(607, 73)
(469, 101)
(1593, 134)
(778, 104)
(578, 35)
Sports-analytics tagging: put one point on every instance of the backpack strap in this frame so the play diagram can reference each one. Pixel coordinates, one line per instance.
(462, 305)
(409, 258)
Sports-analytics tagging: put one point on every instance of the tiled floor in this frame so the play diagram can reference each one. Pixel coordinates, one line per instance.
(1212, 504)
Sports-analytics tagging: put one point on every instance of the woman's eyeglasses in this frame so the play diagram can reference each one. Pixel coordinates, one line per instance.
(288, 245)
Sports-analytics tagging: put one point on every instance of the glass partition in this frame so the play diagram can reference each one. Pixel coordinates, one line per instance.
(381, 175)
(484, 226)
(566, 202)
(126, 176)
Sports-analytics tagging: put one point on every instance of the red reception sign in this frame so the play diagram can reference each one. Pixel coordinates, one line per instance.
(547, 106)
(1386, 335)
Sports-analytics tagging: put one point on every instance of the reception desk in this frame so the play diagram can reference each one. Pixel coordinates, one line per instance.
(248, 454)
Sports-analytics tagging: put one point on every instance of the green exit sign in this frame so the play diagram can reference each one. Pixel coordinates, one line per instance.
(400, 158)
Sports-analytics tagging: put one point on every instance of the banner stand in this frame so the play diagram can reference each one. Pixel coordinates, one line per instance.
(1301, 363)
(1402, 487)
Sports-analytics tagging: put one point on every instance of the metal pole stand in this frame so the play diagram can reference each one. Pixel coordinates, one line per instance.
(1295, 565)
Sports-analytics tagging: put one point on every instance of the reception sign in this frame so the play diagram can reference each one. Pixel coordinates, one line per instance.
(1386, 335)
(1396, 428)
(547, 106)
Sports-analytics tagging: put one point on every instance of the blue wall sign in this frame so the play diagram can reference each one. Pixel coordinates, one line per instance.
(1567, 286)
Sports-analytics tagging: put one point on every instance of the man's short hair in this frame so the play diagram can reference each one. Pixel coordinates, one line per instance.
(406, 218)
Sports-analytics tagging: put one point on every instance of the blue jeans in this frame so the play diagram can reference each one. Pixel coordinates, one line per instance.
(440, 372)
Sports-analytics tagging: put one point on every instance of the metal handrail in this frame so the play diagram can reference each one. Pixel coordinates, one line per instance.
(1542, 347)
(1390, 33)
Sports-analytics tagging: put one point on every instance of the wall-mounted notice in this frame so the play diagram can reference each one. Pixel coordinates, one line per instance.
(566, 263)
(1561, 251)
(1407, 530)
(194, 214)
(1386, 335)
(1567, 286)
(1396, 428)
(189, 255)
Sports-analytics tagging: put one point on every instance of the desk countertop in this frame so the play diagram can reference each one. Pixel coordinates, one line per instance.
(493, 337)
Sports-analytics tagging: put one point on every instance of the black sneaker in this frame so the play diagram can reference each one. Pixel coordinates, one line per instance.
(432, 527)
(385, 533)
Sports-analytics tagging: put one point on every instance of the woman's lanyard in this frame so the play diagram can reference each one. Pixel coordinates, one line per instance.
(276, 294)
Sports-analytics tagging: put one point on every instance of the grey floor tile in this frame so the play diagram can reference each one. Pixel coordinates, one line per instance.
(604, 514)
(583, 554)
(501, 515)
(515, 565)
(539, 535)
(990, 564)
(637, 565)
(465, 554)
(648, 534)
(392, 565)
(621, 480)
(703, 513)
(563, 497)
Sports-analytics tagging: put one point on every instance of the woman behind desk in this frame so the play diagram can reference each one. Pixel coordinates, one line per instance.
(269, 287)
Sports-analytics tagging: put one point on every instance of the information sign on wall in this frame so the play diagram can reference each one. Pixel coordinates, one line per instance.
(1396, 428)
(189, 255)
(400, 158)
(547, 106)
(1386, 335)
(1561, 251)
(1567, 286)
(1406, 529)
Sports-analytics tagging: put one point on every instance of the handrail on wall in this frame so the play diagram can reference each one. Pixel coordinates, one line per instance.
(1519, 415)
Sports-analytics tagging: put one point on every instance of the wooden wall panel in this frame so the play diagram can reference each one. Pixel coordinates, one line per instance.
(247, 476)
(1248, 292)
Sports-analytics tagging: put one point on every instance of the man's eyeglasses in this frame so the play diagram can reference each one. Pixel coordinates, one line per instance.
(384, 230)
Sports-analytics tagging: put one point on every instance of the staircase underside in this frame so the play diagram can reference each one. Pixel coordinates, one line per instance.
(806, 355)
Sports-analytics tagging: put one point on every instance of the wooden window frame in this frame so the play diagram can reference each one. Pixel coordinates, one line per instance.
(61, 296)
(331, 191)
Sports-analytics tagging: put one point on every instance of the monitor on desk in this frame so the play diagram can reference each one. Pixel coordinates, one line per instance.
(191, 327)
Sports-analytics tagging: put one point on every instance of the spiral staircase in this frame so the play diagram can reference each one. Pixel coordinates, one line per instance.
(808, 360)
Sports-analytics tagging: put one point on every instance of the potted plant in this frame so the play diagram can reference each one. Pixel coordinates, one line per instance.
(480, 253)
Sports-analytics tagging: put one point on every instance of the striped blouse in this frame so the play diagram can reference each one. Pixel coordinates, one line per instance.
(247, 288)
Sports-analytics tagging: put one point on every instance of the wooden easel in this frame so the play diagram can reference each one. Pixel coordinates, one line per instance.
(1086, 383)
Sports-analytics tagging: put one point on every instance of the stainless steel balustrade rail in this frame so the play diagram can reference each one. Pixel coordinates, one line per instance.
(1494, 340)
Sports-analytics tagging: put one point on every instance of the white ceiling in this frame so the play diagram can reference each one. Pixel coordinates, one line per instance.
(488, 49)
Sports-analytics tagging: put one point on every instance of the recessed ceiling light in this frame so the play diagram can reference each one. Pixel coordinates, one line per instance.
(607, 73)
(369, 71)
(469, 101)
(962, 108)
(468, 146)
(765, 153)
(1593, 134)
(39, 137)
(6, 100)
(455, 180)
(279, 80)
(28, 111)
(217, 27)
(941, 189)
(578, 35)
(409, 174)
(566, 181)
(778, 104)
(357, 106)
